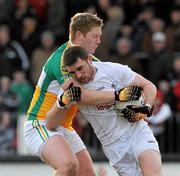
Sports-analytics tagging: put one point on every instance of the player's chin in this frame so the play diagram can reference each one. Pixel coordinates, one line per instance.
(93, 50)
(84, 81)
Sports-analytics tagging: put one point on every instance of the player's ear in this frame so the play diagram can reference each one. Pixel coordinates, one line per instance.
(78, 35)
(89, 59)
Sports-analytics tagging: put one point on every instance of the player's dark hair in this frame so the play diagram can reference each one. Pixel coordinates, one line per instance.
(72, 54)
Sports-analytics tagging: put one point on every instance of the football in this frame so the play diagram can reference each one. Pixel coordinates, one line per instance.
(121, 105)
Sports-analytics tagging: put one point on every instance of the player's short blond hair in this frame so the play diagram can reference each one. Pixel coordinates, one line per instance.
(83, 22)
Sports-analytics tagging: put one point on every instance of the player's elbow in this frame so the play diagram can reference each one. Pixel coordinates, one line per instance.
(153, 87)
(51, 123)
(48, 126)
(51, 126)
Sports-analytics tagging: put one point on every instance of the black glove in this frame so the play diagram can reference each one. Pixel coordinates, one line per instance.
(146, 109)
(131, 115)
(72, 93)
(128, 93)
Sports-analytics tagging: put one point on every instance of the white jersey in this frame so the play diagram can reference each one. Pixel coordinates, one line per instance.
(107, 125)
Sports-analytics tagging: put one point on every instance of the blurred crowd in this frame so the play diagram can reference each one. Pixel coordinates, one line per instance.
(144, 34)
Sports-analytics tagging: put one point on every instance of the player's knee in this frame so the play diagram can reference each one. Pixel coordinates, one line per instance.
(69, 169)
(88, 172)
(91, 173)
(156, 171)
(150, 163)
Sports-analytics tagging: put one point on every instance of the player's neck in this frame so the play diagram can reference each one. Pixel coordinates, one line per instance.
(94, 70)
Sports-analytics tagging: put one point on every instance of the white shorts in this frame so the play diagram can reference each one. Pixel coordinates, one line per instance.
(36, 134)
(123, 153)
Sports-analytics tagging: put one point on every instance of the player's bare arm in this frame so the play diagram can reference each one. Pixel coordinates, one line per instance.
(94, 97)
(149, 89)
(54, 116)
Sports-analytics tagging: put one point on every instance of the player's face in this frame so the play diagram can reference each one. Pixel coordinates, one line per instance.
(82, 71)
(91, 40)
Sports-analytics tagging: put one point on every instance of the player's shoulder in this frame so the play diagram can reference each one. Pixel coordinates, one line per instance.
(58, 53)
(107, 65)
(53, 64)
(55, 59)
(114, 69)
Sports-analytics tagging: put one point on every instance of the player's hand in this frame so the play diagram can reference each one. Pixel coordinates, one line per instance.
(131, 115)
(71, 94)
(128, 93)
(146, 109)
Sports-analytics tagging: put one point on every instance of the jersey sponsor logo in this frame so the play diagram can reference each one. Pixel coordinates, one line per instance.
(104, 107)
(100, 88)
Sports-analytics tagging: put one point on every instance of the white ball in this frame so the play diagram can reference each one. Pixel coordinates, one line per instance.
(121, 105)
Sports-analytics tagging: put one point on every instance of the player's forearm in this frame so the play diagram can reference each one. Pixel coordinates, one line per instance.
(150, 93)
(94, 97)
(54, 116)
(149, 89)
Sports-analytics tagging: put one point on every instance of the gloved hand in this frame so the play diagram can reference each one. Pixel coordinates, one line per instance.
(128, 93)
(146, 109)
(131, 115)
(71, 94)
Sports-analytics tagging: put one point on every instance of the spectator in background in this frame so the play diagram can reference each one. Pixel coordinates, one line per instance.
(102, 7)
(56, 14)
(23, 90)
(6, 11)
(176, 92)
(40, 55)
(174, 27)
(40, 7)
(162, 112)
(156, 25)
(12, 54)
(161, 58)
(8, 97)
(7, 135)
(165, 87)
(22, 9)
(125, 31)
(29, 34)
(174, 75)
(2, 106)
(174, 79)
(124, 55)
(111, 27)
(140, 26)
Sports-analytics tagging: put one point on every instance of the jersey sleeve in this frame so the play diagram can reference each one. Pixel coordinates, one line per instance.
(123, 74)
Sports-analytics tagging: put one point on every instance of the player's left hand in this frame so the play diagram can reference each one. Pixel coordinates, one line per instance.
(131, 115)
(71, 94)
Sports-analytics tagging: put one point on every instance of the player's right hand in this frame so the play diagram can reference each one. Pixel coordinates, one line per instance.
(71, 94)
(146, 109)
(131, 115)
(128, 93)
